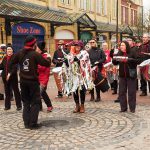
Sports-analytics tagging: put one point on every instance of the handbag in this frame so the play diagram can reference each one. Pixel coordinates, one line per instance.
(133, 73)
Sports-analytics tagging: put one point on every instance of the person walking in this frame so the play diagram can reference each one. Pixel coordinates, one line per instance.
(28, 60)
(127, 76)
(43, 76)
(12, 83)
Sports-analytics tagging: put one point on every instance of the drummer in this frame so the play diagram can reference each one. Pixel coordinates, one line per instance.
(144, 48)
(57, 60)
(97, 57)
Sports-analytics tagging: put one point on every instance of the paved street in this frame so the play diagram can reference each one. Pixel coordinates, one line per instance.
(102, 127)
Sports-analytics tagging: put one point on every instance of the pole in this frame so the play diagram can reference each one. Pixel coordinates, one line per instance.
(142, 19)
(2, 38)
(116, 22)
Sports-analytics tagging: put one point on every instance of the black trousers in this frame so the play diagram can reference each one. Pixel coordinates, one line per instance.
(45, 97)
(9, 86)
(127, 85)
(30, 92)
(144, 85)
(82, 96)
(115, 85)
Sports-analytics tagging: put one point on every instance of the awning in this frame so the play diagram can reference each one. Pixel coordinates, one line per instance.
(126, 29)
(106, 27)
(82, 19)
(17, 10)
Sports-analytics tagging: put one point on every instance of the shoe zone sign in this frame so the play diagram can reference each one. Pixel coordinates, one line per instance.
(27, 29)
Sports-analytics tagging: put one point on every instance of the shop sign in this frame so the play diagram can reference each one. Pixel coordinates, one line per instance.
(27, 29)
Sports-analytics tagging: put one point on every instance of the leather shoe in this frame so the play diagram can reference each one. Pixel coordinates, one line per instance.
(19, 108)
(132, 111)
(123, 110)
(113, 93)
(35, 126)
(143, 94)
(98, 100)
(117, 101)
(6, 108)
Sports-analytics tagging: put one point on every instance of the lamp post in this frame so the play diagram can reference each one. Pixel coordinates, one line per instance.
(1, 30)
(116, 22)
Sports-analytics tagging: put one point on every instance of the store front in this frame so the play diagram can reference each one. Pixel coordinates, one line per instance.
(22, 30)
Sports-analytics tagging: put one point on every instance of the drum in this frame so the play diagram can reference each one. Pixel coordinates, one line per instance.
(57, 69)
(99, 81)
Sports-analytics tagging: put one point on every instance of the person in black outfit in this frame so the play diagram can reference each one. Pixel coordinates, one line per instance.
(127, 77)
(12, 83)
(28, 60)
(97, 57)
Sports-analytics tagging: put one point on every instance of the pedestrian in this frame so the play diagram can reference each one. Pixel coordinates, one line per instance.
(12, 83)
(43, 76)
(97, 57)
(127, 61)
(57, 60)
(28, 60)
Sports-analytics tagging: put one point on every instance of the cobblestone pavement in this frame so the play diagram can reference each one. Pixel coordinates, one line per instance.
(101, 127)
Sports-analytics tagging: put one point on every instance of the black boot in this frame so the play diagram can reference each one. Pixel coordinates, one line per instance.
(59, 95)
(98, 98)
(92, 95)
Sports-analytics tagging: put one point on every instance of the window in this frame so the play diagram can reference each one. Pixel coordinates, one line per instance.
(105, 7)
(114, 8)
(68, 2)
(135, 17)
(84, 4)
(123, 15)
(91, 5)
(101, 7)
(62, 1)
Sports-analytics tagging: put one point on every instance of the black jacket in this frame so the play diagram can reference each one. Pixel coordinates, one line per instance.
(4, 66)
(58, 57)
(125, 66)
(97, 55)
(28, 61)
(144, 48)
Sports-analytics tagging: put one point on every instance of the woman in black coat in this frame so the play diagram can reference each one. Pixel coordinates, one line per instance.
(10, 81)
(127, 61)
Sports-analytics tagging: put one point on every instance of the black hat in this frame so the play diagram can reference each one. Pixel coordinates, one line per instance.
(41, 45)
(30, 41)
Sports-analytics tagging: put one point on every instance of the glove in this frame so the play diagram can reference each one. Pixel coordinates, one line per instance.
(96, 63)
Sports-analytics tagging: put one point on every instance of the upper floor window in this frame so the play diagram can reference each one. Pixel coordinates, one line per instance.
(101, 7)
(68, 2)
(87, 5)
(125, 15)
(114, 8)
